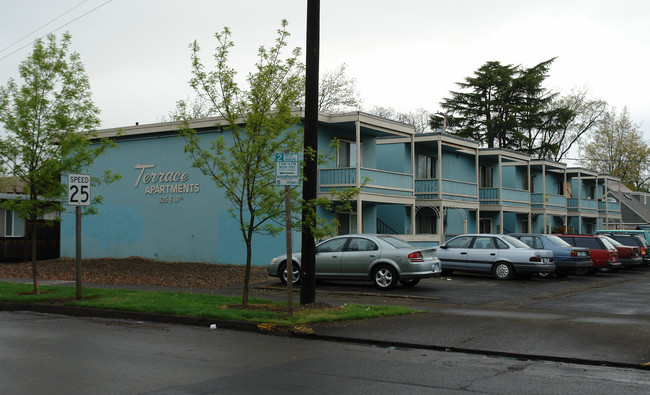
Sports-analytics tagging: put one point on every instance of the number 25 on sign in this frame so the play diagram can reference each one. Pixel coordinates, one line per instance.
(79, 189)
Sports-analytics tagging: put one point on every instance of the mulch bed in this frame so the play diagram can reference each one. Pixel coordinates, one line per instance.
(138, 271)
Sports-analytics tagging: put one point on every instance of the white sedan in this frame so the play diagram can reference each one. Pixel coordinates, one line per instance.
(502, 256)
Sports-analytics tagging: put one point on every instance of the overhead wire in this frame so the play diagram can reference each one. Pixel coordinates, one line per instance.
(52, 31)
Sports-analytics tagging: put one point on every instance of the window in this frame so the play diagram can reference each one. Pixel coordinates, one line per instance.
(333, 245)
(426, 167)
(359, 244)
(347, 154)
(484, 243)
(347, 223)
(459, 242)
(486, 176)
(14, 225)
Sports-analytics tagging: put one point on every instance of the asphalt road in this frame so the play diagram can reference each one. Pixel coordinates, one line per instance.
(52, 354)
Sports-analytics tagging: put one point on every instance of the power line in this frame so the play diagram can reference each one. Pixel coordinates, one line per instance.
(52, 31)
(29, 34)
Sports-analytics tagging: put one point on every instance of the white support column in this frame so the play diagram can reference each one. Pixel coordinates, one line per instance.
(358, 177)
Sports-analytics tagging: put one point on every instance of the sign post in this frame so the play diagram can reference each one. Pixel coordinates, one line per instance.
(78, 196)
(287, 174)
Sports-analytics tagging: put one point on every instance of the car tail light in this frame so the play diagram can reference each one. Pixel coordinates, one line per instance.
(643, 251)
(574, 253)
(535, 259)
(416, 257)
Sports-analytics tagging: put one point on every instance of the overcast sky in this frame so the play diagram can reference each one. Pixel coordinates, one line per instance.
(405, 54)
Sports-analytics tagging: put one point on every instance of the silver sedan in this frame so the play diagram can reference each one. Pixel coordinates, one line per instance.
(502, 256)
(383, 259)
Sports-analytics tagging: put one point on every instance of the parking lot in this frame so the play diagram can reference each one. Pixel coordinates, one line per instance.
(622, 293)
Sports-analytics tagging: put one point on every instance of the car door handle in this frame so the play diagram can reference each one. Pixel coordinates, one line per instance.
(493, 253)
(463, 253)
(372, 255)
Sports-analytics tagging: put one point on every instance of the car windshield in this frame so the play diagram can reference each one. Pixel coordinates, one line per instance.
(557, 241)
(515, 242)
(395, 242)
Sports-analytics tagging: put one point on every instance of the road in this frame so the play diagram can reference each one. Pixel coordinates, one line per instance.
(50, 354)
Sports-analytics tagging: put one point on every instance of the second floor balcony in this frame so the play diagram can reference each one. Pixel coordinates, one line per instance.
(446, 189)
(548, 201)
(582, 205)
(377, 181)
(504, 196)
(609, 207)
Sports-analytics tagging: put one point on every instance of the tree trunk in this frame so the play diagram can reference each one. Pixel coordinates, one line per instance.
(247, 275)
(34, 271)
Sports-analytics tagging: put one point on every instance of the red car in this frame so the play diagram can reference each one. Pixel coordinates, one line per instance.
(628, 255)
(603, 254)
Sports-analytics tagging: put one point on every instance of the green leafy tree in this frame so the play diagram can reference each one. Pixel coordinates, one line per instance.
(617, 147)
(504, 106)
(260, 122)
(49, 122)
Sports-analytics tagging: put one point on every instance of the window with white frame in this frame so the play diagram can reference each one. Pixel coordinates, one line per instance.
(14, 226)
(347, 154)
(426, 167)
(486, 178)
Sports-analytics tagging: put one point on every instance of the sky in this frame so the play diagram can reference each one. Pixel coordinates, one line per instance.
(406, 54)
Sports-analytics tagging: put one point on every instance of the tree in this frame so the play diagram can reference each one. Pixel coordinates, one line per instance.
(338, 92)
(617, 148)
(260, 123)
(49, 121)
(419, 118)
(567, 120)
(502, 106)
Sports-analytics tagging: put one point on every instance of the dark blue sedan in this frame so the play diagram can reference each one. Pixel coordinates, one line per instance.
(567, 257)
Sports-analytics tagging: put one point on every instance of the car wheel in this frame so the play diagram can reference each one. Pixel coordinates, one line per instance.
(544, 275)
(384, 277)
(503, 271)
(410, 282)
(283, 273)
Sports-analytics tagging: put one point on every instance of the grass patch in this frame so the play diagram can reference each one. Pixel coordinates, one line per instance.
(194, 305)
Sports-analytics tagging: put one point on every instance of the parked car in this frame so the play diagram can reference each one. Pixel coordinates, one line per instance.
(628, 255)
(645, 234)
(383, 259)
(633, 239)
(603, 254)
(502, 256)
(566, 257)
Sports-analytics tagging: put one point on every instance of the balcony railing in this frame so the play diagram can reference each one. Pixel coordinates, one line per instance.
(584, 205)
(540, 200)
(609, 207)
(452, 190)
(509, 197)
(378, 181)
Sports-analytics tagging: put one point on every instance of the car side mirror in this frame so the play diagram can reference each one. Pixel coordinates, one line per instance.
(443, 246)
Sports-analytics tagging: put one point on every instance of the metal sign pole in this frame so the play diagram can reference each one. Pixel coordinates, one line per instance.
(78, 251)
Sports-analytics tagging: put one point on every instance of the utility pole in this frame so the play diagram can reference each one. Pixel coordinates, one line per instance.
(309, 188)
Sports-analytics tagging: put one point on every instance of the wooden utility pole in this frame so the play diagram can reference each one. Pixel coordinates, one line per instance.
(308, 254)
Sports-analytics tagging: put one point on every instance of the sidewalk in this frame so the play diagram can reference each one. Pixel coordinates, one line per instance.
(597, 339)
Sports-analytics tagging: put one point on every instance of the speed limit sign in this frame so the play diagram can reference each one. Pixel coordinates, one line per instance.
(78, 189)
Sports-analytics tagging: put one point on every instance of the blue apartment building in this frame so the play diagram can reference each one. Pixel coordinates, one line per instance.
(424, 188)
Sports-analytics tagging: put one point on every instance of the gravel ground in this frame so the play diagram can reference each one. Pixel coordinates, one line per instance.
(138, 271)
